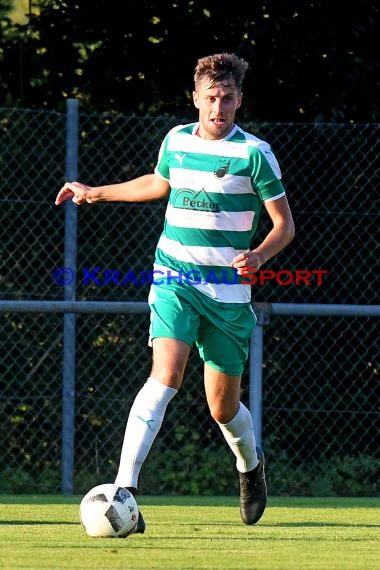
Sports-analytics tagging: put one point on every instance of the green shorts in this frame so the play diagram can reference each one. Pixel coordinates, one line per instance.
(221, 331)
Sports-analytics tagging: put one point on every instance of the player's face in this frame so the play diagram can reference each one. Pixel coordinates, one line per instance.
(217, 105)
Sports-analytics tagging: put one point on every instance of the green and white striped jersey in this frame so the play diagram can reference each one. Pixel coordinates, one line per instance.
(217, 191)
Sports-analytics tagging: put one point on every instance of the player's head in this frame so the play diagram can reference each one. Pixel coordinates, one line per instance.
(225, 68)
(218, 93)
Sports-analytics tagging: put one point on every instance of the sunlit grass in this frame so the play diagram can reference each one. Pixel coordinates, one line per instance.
(195, 533)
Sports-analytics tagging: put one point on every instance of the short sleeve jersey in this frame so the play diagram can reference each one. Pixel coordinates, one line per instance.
(217, 190)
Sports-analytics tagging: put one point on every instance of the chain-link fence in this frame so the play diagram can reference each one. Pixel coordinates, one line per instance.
(320, 408)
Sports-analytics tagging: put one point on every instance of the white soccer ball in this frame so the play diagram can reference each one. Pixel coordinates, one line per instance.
(109, 511)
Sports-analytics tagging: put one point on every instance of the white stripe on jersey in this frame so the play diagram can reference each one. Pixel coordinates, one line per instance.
(198, 180)
(221, 292)
(225, 221)
(198, 255)
(183, 142)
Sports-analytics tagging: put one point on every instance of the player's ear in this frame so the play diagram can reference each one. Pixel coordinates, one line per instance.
(195, 99)
(240, 99)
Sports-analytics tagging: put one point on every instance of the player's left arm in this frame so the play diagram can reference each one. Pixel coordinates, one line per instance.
(276, 240)
(282, 232)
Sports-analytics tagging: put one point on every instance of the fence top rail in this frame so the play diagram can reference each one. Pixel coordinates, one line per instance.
(318, 309)
(290, 309)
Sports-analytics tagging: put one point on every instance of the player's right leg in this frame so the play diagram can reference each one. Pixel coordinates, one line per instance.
(170, 317)
(144, 422)
(148, 411)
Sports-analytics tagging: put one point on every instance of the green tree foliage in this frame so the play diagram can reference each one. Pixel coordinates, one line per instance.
(5, 7)
(309, 61)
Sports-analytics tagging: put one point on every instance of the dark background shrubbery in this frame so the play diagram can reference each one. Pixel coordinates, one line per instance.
(309, 61)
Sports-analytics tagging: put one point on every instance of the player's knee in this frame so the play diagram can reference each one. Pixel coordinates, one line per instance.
(169, 376)
(221, 414)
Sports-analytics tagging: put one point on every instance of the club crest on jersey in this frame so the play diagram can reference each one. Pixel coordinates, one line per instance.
(221, 169)
(195, 200)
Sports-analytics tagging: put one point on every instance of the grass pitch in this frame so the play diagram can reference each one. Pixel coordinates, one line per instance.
(191, 533)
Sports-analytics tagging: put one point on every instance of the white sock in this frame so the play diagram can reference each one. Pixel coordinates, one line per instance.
(240, 437)
(144, 422)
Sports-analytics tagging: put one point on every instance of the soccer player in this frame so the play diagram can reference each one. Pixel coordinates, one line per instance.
(216, 178)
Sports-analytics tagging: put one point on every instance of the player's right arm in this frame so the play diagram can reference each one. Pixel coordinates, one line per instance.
(142, 189)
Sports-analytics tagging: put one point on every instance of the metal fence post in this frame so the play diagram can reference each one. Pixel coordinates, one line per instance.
(256, 370)
(69, 322)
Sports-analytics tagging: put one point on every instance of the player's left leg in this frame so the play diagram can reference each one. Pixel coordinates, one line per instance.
(222, 392)
(223, 344)
(233, 418)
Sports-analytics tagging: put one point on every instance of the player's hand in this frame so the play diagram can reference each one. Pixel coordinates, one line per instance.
(246, 261)
(76, 191)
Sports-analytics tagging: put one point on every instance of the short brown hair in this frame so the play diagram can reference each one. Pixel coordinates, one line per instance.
(221, 67)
